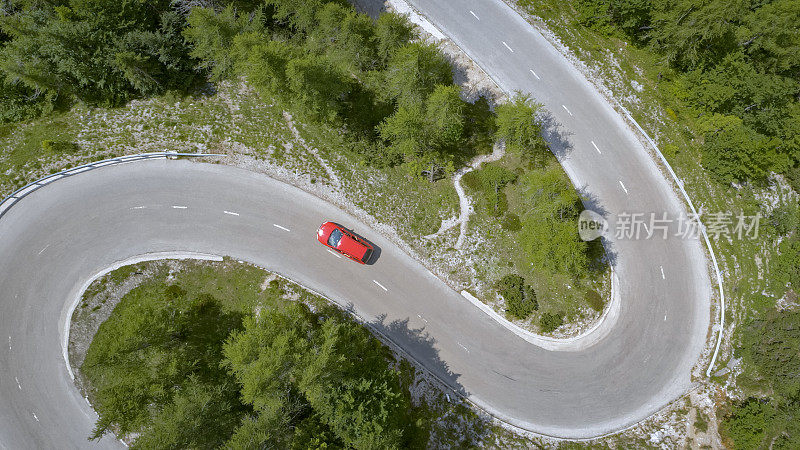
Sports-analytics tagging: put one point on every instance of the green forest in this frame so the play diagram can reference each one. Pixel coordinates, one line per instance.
(394, 97)
(738, 70)
(186, 364)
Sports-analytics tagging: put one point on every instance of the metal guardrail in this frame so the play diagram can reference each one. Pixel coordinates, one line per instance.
(702, 227)
(20, 193)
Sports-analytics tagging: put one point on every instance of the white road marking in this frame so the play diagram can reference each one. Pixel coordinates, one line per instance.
(474, 15)
(423, 319)
(34, 416)
(380, 285)
(509, 48)
(9, 343)
(334, 253)
(231, 213)
(665, 317)
(534, 74)
(595, 147)
(45, 248)
(282, 228)
(87, 401)
(179, 207)
(623, 186)
(465, 348)
(662, 273)
(138, 207)
(18, 385)
(567, 110)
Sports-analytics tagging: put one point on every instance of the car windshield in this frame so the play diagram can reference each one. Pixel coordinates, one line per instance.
(334, 238)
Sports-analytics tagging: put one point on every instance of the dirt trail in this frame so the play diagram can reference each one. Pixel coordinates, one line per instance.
(328, 169)
(464, 200)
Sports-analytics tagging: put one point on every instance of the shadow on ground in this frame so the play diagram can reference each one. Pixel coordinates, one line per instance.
(418, 342)
(555, 135)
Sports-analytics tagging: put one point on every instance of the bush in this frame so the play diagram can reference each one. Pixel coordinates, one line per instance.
(59, 147)
(489, 183)
(748, 423)
(786, 267)
(700, 422)
(550, 321)
(511, 222)
(549, 235)
(518, 126)
(594, 300)
(520, 297)
(771, 345)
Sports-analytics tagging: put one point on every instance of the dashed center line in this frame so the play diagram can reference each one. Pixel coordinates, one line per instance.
(45, 248)
(665, 317)
(567, 110)
(179, 207)
(662, 273)
(623, 186)
(334, 253)
(18, 385)
(282, 228)
(423, 319)
(380, 285)
(9, 343)
(138, 207)
(509, 48)
(474, 15)
(462, 346)
(534, 74)
(595, 147)
(231, 213)
(34, 416)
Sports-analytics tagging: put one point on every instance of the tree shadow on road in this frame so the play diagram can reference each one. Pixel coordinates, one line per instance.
(455, 423)
(556, 136)
(601, 251)
(418, 346)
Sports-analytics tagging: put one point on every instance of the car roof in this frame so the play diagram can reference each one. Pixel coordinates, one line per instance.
(352, 247)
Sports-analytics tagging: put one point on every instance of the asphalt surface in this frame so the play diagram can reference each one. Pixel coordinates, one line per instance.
(55, 239)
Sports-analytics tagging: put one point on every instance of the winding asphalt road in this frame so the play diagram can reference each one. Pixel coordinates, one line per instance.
(59, 236)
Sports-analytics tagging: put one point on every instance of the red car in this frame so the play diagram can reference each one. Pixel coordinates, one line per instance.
(342, 240)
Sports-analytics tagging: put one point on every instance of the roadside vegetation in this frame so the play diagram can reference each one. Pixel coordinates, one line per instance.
(529, 199)
(207, 355)
(362, 107)
(717, 84)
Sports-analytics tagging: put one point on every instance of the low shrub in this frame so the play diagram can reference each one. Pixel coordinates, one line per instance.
(594, 300)
(59, 147)
(520, 297)
(700, 422)
(747, 425)
(550, 321)
(511, 222)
